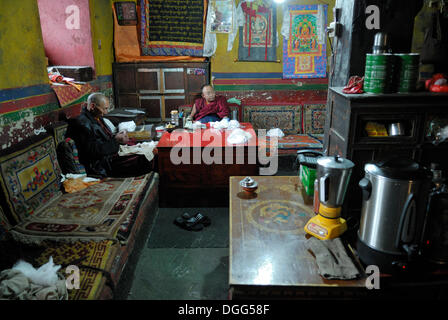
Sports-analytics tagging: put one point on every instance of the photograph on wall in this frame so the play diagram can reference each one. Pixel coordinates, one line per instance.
(221, 16)
(304, 51)
(258, 35)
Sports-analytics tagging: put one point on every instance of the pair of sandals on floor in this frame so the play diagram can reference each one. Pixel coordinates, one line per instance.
(192, 223)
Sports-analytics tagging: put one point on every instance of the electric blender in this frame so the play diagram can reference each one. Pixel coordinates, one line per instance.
(333, 176)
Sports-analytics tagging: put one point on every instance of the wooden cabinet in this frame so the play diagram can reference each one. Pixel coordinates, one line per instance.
(158, 87)
(346, 135)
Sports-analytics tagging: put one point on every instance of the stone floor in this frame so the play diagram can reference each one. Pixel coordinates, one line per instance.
(193, 273)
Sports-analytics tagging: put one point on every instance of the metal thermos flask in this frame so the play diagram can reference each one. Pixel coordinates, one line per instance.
(380, 43)
(234, 114)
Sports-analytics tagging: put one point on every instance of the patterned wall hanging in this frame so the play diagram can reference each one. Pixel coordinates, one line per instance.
(258, 35)
(171, 28)
(304, 51)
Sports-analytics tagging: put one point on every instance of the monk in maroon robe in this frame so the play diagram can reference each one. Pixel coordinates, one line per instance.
(98, 147)
(210, 107)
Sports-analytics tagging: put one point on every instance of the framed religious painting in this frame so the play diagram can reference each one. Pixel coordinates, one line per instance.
(221, 16)
(258, 35)
(304, 51)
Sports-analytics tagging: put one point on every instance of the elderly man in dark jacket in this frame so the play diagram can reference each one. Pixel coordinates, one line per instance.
(98, 147)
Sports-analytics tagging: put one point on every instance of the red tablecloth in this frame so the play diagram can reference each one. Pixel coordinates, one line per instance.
(204, 138)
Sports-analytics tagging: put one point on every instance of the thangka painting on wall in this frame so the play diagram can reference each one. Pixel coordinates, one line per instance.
(258, 35)
(304, 44)
(221, 16)
(172, 28)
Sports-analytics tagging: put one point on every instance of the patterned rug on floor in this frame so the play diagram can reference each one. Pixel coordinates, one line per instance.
(95, 213)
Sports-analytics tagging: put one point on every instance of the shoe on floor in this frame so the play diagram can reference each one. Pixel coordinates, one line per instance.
(193, 225)
(206, 221)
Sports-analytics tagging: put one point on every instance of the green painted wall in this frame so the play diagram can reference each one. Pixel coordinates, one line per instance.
(223, 60)
(22, 55)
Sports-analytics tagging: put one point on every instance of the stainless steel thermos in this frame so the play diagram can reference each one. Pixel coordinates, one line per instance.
(395, 195)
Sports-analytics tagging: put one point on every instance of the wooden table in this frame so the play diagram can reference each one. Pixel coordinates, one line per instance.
(268, 257)
(200, 181)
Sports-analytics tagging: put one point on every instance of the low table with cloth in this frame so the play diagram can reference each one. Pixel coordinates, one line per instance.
(96, 228)
(270, 254)
(197, 164)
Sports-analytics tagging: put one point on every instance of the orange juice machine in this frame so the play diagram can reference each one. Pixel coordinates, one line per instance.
(333, 176)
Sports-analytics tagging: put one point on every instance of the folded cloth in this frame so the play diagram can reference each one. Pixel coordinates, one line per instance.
(145, 148)
(276, 132)
(234, 100)
(78, 184)
(354, 86)
(225, 123)
(128, 126)
(332, 259)
(14, 285)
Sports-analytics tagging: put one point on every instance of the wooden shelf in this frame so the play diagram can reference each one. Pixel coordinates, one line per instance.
(346, 136)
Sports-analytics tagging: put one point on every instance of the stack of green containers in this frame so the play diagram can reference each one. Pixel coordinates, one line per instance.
(408, 72)
(379, 73)
(386, 73)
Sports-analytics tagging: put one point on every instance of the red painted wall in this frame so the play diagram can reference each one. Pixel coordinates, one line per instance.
(66, 46)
